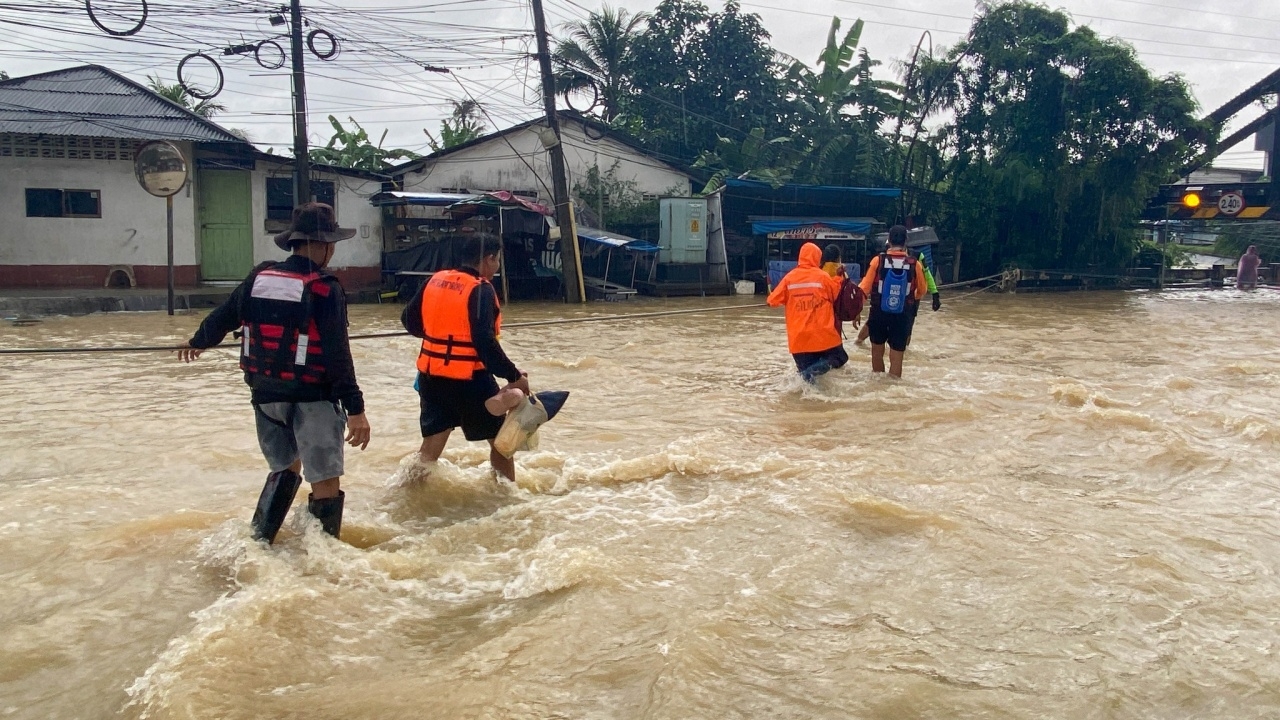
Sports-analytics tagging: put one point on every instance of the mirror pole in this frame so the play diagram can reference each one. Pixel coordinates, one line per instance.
(168, 210)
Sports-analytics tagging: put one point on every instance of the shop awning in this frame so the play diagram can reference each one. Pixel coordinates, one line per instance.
(804, 228)
(500, 199)
(616, 240)
(397, 197)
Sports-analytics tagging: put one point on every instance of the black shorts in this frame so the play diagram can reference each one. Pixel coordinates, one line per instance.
(894, 329)
(447, 404)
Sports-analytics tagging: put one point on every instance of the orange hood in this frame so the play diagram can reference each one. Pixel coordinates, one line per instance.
(809, 295)
(810, 256)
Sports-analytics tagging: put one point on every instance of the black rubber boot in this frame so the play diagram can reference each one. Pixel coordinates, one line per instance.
(328, 511)
(273, 504)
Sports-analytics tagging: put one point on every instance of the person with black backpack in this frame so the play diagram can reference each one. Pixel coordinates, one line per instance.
(895, 284)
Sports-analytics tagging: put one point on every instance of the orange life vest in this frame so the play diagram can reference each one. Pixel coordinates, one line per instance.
(447, 349)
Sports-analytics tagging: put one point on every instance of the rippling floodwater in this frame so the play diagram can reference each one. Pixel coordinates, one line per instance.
(1068, 509)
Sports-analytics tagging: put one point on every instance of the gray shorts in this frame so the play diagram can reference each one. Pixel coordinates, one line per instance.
(313, 431)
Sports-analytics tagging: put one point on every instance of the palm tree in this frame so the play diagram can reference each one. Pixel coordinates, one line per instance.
(594, 54)
(178, 94)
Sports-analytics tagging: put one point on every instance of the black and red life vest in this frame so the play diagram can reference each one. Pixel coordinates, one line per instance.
(279, 336)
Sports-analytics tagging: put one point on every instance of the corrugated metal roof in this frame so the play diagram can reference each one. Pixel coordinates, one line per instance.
(93, 101)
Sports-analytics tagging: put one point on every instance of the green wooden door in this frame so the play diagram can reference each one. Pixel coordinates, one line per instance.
(226, 225)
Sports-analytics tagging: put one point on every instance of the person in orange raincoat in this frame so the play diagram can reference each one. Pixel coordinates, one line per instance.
(809, 295)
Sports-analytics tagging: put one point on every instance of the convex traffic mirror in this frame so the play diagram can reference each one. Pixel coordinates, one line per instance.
(160, 167)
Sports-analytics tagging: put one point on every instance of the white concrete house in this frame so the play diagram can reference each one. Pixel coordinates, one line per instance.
(516, 159)
(73, 215)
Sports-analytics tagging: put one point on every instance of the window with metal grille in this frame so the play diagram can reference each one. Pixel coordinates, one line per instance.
(54, 202)
(280, 196)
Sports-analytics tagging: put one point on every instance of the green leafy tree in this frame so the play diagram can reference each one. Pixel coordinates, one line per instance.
(838, 109)
(755, 158)
(1235, 237)
(617, 204)
(607, 197)
(696, 75)
(595, 54)
(841, 108)
(354, 149)
(463, 125)
(1054, 138)
(178, 94)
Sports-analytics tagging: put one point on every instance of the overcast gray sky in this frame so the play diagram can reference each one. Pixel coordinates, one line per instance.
(375, 81)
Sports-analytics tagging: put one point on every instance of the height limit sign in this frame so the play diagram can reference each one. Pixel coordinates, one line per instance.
(1231, 203)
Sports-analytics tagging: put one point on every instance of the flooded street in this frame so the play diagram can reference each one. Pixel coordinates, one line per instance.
(1069, 508)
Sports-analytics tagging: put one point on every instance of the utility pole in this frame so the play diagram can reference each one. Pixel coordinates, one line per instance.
(571, 259)
(1273, 157)
(302, 163)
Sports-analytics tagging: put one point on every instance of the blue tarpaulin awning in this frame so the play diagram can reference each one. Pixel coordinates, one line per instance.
(616, 240)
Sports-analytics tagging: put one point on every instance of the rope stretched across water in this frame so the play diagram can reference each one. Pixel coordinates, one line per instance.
(974, 281)
(401, 333)
(374, 336)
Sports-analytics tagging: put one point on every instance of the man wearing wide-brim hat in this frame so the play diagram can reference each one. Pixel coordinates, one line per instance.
(296, 356)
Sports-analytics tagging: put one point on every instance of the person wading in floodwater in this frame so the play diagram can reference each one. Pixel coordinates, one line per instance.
(813, 335)
(894, 282)
(296, 358)
(456, 313)
(930, 286)
(1247, 272)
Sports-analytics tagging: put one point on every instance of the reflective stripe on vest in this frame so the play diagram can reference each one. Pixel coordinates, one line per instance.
(280, 339)
(447, 348)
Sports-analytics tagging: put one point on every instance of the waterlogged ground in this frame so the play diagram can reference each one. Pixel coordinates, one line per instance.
(1069, 509)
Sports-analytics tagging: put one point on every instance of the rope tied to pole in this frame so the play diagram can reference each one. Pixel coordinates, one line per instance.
(375, 336)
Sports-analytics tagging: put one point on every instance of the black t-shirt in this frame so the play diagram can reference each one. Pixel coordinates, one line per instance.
(330, 315)
(482, 308)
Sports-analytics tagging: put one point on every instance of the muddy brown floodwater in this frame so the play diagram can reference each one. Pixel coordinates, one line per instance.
(1068, 509)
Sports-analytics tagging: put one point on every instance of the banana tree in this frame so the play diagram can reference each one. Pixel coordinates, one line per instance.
(463, 125)
(772, 161)
(354, 149)
(843, 105)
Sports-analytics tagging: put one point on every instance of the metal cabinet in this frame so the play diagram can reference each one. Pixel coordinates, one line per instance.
(682, 231)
